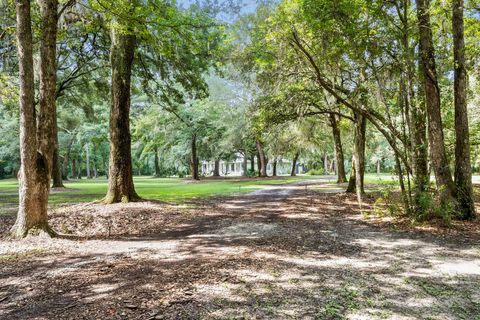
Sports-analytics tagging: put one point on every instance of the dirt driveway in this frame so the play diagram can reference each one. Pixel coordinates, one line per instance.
(286, 252)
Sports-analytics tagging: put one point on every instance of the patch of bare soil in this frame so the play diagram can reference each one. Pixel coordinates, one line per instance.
(282, 253)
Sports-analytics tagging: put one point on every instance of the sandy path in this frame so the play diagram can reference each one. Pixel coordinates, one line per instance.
(284, 252)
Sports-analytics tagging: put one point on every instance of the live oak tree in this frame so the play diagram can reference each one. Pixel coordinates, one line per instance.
(37, 140)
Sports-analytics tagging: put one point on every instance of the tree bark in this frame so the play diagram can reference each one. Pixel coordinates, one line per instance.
(263, 160)
(120, 180)
(37, 142)
(193, 158)
(293, 172)
(216, 168)
(463, 166)
(342, 177)
(351, 188)
(57, 173)
(438, 155)
(359, 153)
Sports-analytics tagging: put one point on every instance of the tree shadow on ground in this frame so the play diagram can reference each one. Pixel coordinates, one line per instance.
(275, 255)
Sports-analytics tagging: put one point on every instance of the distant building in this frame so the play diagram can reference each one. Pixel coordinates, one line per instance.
(234, 168)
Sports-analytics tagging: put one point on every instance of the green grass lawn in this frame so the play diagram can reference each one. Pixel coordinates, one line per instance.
(165, 189)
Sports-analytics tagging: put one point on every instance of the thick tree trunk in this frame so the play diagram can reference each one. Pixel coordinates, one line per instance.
(157, 163)
(293, 172)
(252, 163)
(438, 155)
(37, 143)
(342, 177)
(359, 153)
(216, 168)
(463, 166)
(193, 158)
(352, 182)
(263, 160)
(120, 180)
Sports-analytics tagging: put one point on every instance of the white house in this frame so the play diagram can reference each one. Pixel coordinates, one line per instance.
(234, 168)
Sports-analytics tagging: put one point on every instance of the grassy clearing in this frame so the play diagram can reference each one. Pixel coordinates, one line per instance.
(165, 189)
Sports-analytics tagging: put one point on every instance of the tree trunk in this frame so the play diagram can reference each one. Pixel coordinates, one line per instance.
(293, 172)
(87, 161)
(379, 166)
(57, 166)
(65, 160)
(37, 143)
(157, 164)
(120, 180)
(216, 168)
(245, 164)
(57, 174)
(359, 153)
(193, 158)
(463, 166)
(252, 163)
(79, 168)
(342, 177)
(325, 163)
(352, 182)
(432, 94)
(263, 160)
(274, 167)
(73, 169)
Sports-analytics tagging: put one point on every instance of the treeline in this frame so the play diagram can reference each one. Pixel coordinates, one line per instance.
(400, 68)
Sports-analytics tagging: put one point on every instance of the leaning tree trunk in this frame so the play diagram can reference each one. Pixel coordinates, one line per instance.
(463, 166)
(342, 177)
(432, 94)
(37, 143)
(193, 158)
(263, 159)
(216, 168)
(293, 172)
(120, 180)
